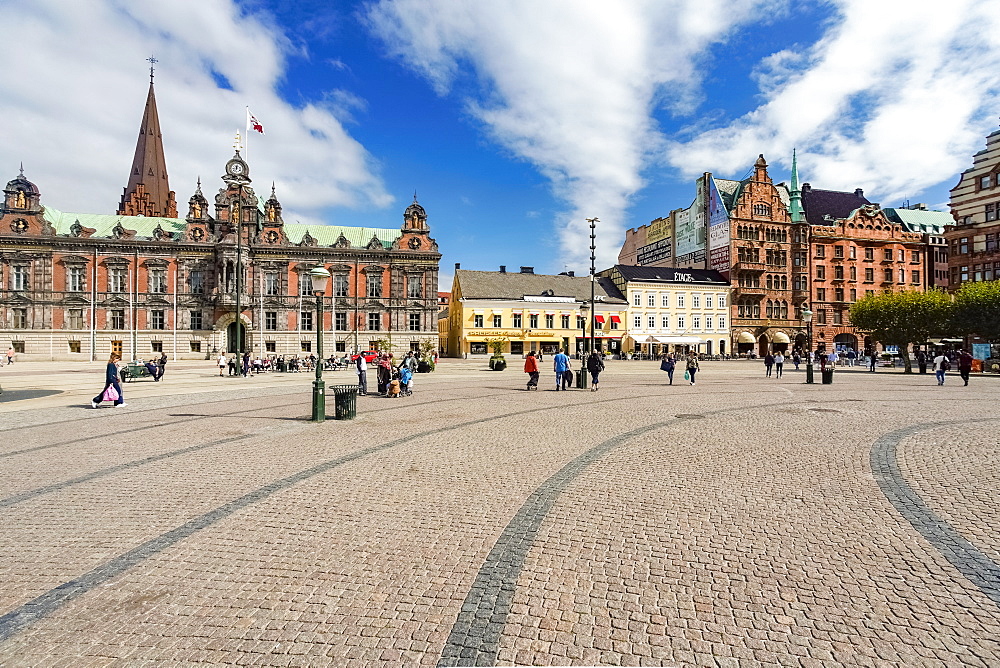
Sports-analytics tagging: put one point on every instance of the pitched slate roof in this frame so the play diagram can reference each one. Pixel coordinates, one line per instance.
(670, 275)
(515, 286)
(104, 224)
(920, 221)
(821, 203)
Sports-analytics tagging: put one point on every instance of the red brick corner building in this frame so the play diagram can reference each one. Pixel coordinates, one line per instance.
(144, 282)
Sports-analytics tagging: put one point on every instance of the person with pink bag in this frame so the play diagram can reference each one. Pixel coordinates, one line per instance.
(112, 388)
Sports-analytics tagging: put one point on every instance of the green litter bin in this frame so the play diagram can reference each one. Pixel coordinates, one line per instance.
(828, 376)
(345, 401)
(581, 380)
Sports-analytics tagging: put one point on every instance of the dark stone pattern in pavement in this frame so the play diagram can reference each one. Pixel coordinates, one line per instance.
(963, 555)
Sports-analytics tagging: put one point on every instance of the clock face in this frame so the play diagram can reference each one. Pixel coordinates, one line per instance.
(198, 234)
(235, 167)
(272, 237)
(414, 243)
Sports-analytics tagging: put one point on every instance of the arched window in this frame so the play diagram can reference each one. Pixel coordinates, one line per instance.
(784, 310)
(784, 282)
(761, 210)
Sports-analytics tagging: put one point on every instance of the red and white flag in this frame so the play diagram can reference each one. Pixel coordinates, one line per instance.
(253, 123)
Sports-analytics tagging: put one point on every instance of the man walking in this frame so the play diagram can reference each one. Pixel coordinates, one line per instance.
(779, 363)
(941, 365)
(964, 365)
(560, 364)
(361, 367)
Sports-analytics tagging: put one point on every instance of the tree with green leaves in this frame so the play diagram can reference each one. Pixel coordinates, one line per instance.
(903, 318)
(977, 310)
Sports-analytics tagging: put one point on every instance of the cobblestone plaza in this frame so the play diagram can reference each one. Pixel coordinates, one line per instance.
(742, 521)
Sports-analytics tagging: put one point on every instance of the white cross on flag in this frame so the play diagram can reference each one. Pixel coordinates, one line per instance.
(253, 123)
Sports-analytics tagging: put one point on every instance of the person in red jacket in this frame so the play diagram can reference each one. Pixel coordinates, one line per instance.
(531, 368)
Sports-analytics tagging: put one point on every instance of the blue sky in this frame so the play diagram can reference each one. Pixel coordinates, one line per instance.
(513, 120)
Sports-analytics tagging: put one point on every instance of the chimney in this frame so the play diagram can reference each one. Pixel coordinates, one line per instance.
(503, 269)
(527, 270)
(458, 265)
(859, 193)
(806, 187)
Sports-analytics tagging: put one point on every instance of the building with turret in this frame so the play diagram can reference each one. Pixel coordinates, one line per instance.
(231, 274)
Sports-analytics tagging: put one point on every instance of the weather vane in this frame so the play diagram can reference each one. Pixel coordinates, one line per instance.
(236, 142)
(152, 61)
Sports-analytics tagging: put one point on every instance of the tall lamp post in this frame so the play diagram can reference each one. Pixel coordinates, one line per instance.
(593, 311)
(585, 309)
(807, 317)
(319, 276)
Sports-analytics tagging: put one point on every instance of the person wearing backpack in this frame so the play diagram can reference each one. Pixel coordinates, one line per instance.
(941, 365)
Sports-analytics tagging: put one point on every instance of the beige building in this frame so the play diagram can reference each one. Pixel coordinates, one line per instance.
(531, 312)
(974, 242)
(673, 310)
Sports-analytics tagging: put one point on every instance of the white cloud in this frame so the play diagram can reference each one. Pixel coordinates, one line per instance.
(567, 85)
(73, 89)
(894, 99)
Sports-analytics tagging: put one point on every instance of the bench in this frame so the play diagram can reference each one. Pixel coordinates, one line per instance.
(133, 371)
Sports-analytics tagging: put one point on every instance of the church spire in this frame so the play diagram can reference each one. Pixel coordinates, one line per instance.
(795, 195)
(148, 191)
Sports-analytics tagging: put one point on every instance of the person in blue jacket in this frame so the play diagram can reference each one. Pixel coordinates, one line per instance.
(560, 363)
(111, 380)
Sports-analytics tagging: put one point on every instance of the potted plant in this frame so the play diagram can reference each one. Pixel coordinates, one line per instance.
(497, 361)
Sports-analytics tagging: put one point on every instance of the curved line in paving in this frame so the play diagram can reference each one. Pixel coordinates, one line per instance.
(475, 637)
(111, 470)
(47, 603)
(969, 560)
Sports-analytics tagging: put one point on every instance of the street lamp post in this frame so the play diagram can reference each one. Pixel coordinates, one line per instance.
(593, 277)
(319, 276)
(585, 309)
(807, 317)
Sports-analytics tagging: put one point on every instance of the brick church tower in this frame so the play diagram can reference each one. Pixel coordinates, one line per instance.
(148, 191)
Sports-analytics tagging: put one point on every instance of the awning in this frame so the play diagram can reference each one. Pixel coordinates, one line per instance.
(679, 339)
(599, 319)
(780, 337)
(745, 337)
(644, 339)
(616, 319)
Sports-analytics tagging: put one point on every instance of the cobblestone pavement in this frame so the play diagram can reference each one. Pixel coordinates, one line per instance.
(742, 521)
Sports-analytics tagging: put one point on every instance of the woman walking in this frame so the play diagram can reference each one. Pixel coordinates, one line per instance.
(531, 368)
(595, 365)
(668, 364)
(692, 366)
(110, 380)
(779, 363)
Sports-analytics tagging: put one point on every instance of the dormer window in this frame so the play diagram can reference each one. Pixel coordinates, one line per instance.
(984, 181)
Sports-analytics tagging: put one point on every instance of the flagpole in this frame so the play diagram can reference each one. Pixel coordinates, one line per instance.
(247, 141)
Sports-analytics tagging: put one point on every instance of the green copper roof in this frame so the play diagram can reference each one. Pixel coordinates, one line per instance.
(104, 224)
(920, 220)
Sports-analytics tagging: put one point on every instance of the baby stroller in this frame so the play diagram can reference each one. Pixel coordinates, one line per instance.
(406, 382)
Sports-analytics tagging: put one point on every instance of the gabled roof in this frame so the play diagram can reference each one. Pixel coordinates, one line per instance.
(819, 204)
(670, 275)
(515, 286)
(920, 220)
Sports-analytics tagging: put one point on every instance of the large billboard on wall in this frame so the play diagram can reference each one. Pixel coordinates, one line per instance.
(659, 242)
(718, 230)
(689, 235)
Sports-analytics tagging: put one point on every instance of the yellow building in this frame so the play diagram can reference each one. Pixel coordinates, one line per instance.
(673, 310)
(530, 311)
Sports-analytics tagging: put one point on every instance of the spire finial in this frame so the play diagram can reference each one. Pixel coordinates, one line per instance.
(272, 189)
(152, 61)
(795, 211)
(414, 195)
(198, 189)
(22, 168)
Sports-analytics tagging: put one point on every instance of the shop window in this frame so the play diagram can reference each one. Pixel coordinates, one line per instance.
(517, 347)
(477, 348)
